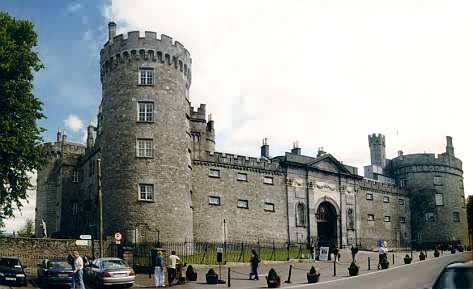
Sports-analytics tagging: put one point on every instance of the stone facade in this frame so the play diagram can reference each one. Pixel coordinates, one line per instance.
(161, 177)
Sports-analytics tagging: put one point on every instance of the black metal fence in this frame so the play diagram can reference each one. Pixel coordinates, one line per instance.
(206, 252)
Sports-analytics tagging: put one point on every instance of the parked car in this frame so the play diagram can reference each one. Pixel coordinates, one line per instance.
(455, 276)
(11, 271)
(55, 272)
(109, 271)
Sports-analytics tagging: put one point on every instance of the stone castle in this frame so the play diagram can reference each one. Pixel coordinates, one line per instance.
(153, 156)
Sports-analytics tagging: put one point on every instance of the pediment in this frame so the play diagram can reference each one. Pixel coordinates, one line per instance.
(329, 163)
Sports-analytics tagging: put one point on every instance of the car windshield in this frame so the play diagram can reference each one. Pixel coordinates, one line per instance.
(115, 263)
(59, 265)
(456, 278)
(9, 262)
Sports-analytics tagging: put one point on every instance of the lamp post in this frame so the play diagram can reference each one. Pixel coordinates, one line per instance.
(99, 186)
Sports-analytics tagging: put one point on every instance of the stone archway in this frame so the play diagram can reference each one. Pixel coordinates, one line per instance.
(327, 224)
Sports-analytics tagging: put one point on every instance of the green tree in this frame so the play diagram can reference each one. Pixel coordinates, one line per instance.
(27, 230)
(20, 141)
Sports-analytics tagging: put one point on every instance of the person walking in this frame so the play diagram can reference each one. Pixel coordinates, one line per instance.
(158, 270)
(173, 259)
(77, 275)
(382, 253)
(254, 261)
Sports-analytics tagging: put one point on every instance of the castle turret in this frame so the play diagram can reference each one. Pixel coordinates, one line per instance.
(112, 30)
(450, 151)
(265, 149)
(145, 137)
(377, 145)
(202, 132)
(90, 137)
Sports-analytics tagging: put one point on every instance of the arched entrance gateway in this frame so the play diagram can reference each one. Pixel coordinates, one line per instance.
(326, 225)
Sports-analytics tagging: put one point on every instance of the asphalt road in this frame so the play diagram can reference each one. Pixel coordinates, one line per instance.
(414, 276)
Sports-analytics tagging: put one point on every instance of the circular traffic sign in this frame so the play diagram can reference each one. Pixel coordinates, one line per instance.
(118, 236)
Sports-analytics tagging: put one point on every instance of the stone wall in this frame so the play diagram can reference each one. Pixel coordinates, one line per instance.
(248, 224)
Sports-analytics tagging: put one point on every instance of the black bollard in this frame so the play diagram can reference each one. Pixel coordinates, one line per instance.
(229, 277)
(393, 258)
(289, 275)
(369, 264)
(334, 268)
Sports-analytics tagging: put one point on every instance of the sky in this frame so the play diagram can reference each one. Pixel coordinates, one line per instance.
(324, 73)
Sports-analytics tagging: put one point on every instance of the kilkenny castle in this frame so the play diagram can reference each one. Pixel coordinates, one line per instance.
(153, 155)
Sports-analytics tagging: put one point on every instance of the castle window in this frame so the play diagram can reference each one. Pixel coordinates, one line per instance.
(439, 199)
(214, 200)
(75, 208)
(370, 217)
(403, 183)
(145, 111)
(369, 196)
(300, 215)
(401, 202)
(463, 201)
(269, 207)
(146, 76)
(385, 199)
(214, 173)
(242, 177)
(387, 219)
(429, 217)
(456, 217)
(144, 148)
(146, 192)
(437, 180)
(402, 220)
(268, 180)
(243, 204)
(75, 176)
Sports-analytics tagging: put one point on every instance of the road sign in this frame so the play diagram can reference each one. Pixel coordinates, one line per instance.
(118, 236)
(85, 237)
(82, 242)
(324, 253)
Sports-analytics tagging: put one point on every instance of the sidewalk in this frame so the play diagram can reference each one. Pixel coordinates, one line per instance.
(239, 272)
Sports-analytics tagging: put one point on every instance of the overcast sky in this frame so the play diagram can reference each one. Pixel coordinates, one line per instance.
(325, 73)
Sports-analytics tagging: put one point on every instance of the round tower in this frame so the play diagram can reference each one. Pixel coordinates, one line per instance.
(377, 145)
(435, 187)
(144, 136)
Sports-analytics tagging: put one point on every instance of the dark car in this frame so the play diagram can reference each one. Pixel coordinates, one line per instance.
(455, 276)
(109, 271)
(11, 271)
(55, 272)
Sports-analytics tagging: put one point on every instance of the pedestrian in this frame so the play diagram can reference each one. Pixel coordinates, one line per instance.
(173, 259)
(254, 261)
(77, 275)
(382, 253)
(158, 270)
(336, 254)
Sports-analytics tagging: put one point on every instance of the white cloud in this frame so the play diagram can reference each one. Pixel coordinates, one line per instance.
(74, 123)
(326, 73)
(74, 7)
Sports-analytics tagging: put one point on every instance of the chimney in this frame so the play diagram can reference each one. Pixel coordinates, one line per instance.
(112, 30)
(450, 150)
(58, 135)
(265, 149)
(400, 153)
(295, 148)
(64, 137)
(90, 136)
(320, 152)
(210, 123)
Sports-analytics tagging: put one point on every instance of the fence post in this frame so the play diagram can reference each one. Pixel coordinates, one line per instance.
(289, 275)
(393, 258)
(229, 277)
(369, 264)
(288, 253)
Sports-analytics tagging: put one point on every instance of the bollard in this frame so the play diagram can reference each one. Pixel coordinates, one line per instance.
(369, 264)
(393, 258)
(289, 275)
(334, 268)
(228, 277)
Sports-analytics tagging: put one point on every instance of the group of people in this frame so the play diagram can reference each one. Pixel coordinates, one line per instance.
(159, 268)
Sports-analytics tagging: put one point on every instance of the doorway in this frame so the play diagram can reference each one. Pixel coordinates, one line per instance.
(327, 225)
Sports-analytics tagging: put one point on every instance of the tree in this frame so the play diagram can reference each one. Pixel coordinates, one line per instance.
(20, 142)
(27, 230)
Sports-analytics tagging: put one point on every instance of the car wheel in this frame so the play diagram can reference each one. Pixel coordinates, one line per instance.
(128, 285)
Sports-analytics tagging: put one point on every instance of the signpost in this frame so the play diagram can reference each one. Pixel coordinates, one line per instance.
(82, 242)
(85, 237)
(118, 238)
(219, 261)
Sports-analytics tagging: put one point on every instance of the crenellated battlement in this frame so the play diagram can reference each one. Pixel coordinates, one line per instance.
(376, 186)
(426, 160)
(120, 50)
(377, 139)
(56, 149)
(245, 162)
(198, 113)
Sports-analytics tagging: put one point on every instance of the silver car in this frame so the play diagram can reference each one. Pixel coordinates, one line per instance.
(109, 271)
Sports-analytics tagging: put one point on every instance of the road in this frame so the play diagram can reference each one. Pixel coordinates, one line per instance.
(418, 275)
